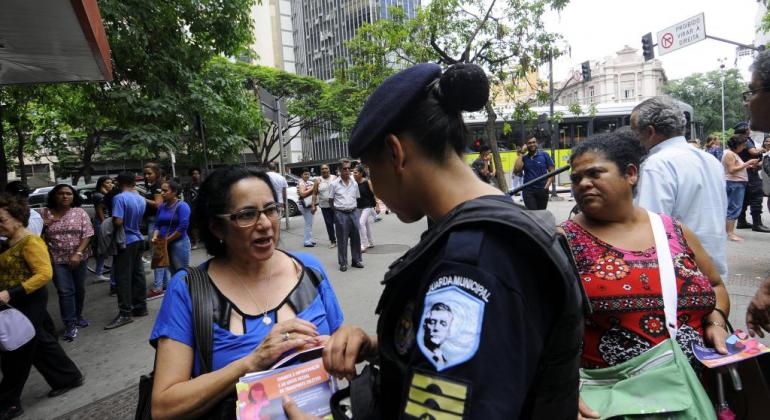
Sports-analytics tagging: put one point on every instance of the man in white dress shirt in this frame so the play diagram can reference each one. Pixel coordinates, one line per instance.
(344, 192)
(679, 180)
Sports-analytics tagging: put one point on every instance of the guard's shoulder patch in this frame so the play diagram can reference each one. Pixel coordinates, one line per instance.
(450, 326)
(433, 397)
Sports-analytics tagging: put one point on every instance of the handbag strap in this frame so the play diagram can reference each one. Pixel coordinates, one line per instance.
(667, 276)
(171, 221)
(201, 294)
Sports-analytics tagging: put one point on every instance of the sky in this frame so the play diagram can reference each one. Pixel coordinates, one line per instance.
(598, 28)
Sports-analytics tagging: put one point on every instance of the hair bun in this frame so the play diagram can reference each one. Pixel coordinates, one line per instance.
(464, 87)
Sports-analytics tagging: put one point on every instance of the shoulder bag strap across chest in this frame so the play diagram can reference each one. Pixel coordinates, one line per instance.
(667, 275)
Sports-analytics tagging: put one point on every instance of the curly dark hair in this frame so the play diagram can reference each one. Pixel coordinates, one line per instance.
(621, 146)
(51, 202)
(214, 199)
(15, 206)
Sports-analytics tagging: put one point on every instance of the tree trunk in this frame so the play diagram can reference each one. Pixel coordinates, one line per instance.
(3, 159)
(92, 143)
(22, 171)
(492, 137)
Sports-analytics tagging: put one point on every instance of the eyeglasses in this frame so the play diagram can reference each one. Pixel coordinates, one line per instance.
(750, 93)
(249, 217)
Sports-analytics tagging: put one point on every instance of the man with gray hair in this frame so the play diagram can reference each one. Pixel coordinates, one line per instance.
(679, 180)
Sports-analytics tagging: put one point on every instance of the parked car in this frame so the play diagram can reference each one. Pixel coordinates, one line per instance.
(293, 198)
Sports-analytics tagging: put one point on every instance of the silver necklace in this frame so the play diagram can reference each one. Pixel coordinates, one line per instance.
(265, 319)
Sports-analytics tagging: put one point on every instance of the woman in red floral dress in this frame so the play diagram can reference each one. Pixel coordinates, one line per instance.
(614, 248)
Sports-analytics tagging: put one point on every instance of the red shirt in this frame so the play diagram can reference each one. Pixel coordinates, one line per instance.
(625, 293)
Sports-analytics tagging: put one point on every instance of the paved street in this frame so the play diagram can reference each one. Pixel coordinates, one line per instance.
(114, 360)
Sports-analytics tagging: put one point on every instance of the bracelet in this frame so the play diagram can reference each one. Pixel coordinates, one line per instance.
(716, 324)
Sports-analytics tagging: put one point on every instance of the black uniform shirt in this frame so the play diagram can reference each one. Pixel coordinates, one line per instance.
(461, 336)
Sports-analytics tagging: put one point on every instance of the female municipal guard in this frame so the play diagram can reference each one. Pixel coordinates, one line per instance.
(482, 319)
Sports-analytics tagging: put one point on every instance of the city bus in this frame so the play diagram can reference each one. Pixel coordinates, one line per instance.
(572, 130)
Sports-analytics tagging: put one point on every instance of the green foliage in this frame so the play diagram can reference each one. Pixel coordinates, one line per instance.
(575, 109)
(703, 92)
(161, 52)
(506, 38)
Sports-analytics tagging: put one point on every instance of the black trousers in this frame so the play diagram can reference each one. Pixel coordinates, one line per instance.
(346, 226)
(752, 200)
(535, 199)
(328, 214)
(44, 352)
(129, 277)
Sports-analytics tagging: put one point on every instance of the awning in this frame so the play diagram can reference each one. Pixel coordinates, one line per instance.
(49, 41)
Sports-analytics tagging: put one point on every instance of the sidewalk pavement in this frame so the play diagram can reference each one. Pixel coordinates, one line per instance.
(114, 360)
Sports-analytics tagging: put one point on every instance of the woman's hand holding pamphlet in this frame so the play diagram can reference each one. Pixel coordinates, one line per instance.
(739, 347)
(300, 375)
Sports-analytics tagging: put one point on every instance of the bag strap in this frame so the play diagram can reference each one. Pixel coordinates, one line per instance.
(667, 276)
(171, 222)
(201, 293)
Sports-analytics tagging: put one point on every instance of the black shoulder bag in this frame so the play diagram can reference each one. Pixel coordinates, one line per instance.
(202, 295)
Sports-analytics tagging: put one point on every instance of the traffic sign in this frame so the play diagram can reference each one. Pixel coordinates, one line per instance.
(682, 34)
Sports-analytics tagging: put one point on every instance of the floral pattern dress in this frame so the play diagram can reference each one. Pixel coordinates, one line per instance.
(625, 293)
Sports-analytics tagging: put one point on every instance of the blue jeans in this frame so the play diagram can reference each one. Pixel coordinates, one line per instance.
(70, 283)
(179, 256)
(735, 192)
(308, 216)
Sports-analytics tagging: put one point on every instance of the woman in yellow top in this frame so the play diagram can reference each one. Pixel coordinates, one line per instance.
(25, 269)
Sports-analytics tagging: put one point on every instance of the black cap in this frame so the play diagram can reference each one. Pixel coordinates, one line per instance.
(741, 128)
(395, 95)
(18, 189)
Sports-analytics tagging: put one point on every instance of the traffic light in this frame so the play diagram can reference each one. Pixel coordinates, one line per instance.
(585, 68)
(647, 50)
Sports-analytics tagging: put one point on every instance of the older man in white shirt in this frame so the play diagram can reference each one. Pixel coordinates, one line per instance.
(679, 180)
(344, 192)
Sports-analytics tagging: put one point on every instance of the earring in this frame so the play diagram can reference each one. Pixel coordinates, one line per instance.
(221, 241)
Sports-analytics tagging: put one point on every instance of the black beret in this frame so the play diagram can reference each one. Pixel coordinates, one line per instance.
(741, 128)
(395, 95)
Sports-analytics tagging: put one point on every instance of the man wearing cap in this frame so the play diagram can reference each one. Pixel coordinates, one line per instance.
(679, 180)
(18, 189)
(754, 196)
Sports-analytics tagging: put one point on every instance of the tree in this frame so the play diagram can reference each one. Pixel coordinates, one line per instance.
(505, 37)
(306, 106)
(703, 91)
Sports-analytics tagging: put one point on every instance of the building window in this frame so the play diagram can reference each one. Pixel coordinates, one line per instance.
(591, 94)
(628, 93)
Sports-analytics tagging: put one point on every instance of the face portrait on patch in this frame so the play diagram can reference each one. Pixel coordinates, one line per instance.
(450, 326)
(437, 325)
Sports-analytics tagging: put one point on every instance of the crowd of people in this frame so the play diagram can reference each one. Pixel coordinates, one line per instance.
(636, 277)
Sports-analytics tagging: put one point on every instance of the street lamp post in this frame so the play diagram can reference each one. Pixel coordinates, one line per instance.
(722, 80)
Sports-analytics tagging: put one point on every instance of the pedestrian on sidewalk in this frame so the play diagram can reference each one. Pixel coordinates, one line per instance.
(25, 270)
(153, 179)
(736, 179)
(611, 233)
(189, 195)
(22, 191)
(485, 267)
(675, 179)
(307, 190)
(752, 199)
(367, 206)
(344, 196)
(103, 186)
(128, 209)
(271, 302)
(324, 195)
(68, 231)
(533, 163)
(171, 223)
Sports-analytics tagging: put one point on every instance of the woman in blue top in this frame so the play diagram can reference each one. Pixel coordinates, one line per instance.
(171, 222)
(274, 301)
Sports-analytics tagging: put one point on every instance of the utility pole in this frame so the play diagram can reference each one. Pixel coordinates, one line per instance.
(722, 80)
(551, 131)
(280, 158)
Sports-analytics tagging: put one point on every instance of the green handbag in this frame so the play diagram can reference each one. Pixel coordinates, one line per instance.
(659, 384)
